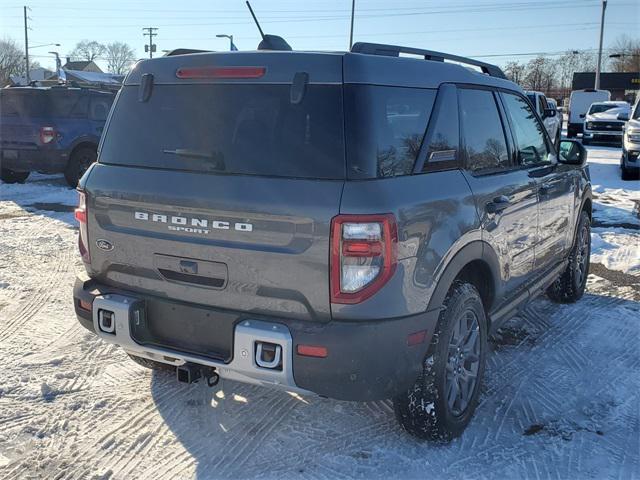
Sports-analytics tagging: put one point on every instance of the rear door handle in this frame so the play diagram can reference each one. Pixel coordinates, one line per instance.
(498, 204)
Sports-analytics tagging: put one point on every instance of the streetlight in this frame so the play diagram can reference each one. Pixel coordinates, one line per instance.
(232, 47)
(45, 45)
(26, 56)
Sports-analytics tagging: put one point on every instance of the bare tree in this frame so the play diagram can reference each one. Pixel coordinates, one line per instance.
(514, 71)
(540, 74)
(12, 60)
(88, 50)
(120, 57)
(627, 51)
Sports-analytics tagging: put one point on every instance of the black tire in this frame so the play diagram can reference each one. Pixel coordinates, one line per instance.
(570, 133)
(424, 410)
(571, 284)
(80, 160)
(152, 364)
(9, 176)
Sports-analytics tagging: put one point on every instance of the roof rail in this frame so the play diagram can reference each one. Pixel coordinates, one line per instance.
(396, 50)
(184, 51)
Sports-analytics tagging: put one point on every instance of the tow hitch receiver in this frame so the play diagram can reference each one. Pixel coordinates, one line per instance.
(191, 373)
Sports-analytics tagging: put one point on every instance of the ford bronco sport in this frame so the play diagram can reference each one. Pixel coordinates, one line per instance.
(353, 225)
(50, 130)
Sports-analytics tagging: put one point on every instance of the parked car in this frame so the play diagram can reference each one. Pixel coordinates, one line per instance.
(579, 103)
(50, 130)
(605, 121)
(548, 113)
(630, 159)
(278, 219)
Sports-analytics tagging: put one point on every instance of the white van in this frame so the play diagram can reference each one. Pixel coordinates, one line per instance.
(579, 104)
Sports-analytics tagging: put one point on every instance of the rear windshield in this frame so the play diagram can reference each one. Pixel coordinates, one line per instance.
(251, 129)
(50, 103)
(21, 103)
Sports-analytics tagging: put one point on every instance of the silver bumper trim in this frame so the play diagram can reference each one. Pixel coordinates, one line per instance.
(243, 366)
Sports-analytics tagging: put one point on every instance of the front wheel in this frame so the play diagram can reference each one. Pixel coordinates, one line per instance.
(571, 284)
(440, 404)
(9, 176)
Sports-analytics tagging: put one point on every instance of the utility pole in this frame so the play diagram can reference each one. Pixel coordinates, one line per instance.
(150, 31)
(26, 44)
(353, 9)
(604, 7)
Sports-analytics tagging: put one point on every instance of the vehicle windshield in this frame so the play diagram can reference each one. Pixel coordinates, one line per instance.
(602, 107)
(636, 112)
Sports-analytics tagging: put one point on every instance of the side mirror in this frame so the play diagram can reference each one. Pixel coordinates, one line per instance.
(623, 116)
(549, 112)
(571, 152)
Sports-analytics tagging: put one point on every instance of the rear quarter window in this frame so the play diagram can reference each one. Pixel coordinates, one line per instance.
(385, 127)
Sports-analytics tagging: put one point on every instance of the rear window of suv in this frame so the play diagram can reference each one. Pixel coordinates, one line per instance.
(51, 103)
(251, 129)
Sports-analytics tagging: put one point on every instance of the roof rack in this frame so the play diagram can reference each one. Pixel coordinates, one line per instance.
(184, 51)
(396, 50)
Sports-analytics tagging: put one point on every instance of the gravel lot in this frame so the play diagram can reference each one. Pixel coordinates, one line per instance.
(560, 399)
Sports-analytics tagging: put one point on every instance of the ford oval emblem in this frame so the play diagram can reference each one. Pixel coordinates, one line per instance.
(105, 245)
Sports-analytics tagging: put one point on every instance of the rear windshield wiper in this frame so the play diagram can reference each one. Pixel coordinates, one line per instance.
(186, 152)
(217, 164)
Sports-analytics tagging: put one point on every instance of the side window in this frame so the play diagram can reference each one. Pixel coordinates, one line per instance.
(530, 137)
(543, 104)
(99, 109)
(482, 131)
(442, 140)
(384, 128)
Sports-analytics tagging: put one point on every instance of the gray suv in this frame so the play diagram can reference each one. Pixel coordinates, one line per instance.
(354, 225)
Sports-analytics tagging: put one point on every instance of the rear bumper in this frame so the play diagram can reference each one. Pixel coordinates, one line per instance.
(365, 360)
(34, 160)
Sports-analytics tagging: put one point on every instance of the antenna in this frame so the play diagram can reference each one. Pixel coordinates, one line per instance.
(255, 19)
(269, 42)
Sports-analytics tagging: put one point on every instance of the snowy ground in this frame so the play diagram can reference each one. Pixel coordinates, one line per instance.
(560, 400)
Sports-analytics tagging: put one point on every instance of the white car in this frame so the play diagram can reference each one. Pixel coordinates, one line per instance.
(579, 103)
(549, 114)
(630, 160)
(604, 121)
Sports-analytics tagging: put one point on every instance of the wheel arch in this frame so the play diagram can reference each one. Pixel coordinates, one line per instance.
(474, 263)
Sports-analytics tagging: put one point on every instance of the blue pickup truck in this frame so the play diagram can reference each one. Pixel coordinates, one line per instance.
(50, 130)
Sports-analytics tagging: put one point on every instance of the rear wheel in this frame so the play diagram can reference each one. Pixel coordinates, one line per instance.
(80, 161)
(570, 286)
(441, 403)
(9, 176)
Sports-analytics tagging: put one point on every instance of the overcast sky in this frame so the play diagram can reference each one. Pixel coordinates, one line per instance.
(464, 27)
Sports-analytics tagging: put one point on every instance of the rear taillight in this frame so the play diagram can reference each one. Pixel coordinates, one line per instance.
(220, 72)
(81, 217)
(47, 135)
(363, 255)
